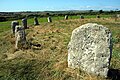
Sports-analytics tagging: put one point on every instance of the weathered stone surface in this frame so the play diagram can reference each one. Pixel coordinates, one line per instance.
(66, 17)
(24, 23)
(13, 25)
(20, 37)
(36, 21)
(90, 49)
(49, 19)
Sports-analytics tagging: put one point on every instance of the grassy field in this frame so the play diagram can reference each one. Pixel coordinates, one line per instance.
(6, 25)
(49, 61)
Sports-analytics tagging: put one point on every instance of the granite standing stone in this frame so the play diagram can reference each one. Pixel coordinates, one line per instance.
(49, 19)
(20, 37)
(13, 25)
(90, 49)
(36, 21)
(66, 17)
(24, 23)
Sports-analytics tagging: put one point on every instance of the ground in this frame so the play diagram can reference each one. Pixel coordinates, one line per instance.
(48, 60)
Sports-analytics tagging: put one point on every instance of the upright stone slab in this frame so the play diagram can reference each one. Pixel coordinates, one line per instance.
(81, 17)
(66, 17)
(118, 15)
(49, 19)
(90, 49)
(24, 23)
(13, 25)
(20, 37)
(36, 21)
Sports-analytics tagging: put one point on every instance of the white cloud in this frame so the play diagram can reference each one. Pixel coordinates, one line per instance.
(99, 7)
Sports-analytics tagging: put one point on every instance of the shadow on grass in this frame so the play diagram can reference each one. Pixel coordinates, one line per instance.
(114, 74)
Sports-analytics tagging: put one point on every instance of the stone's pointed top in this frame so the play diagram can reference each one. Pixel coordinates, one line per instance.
(13, 25)
(90, 49)
(14, 21)
(24, 19)
(36, 22)
(66, 17)
(91, 25)
(88, 25)
(24, 23)
(49, 19)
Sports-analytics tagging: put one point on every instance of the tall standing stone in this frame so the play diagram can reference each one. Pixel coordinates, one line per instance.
(13, 25)
(36, 21)
(66, 17)
(90, 49)
(24, 23)
(49, 19)
(20, 37)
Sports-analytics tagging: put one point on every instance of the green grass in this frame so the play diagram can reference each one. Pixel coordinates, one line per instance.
(49, 62)
(4, 26)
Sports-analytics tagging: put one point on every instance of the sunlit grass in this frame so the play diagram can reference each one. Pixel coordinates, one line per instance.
(49, 62)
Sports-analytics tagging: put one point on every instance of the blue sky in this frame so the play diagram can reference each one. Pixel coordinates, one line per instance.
(57, 5)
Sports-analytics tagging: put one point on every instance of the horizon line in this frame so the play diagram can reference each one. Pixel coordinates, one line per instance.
(62, 10)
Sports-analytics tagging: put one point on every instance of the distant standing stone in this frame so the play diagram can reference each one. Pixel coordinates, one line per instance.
(20, 37)
(118, 15)
(36, 21)
(66, 17)
(97, 16)
(90, 49)
(13, 25)
(81, 17)
(24, 23)
(49, 19)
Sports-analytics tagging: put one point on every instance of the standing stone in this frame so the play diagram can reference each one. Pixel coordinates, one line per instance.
(90, 49)
(81, 17)
(66, 17)
(24, 23)
(13, 25)
(97, 16)
(36, 21)
(118, 15)
(20, 37)
(49, 19)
